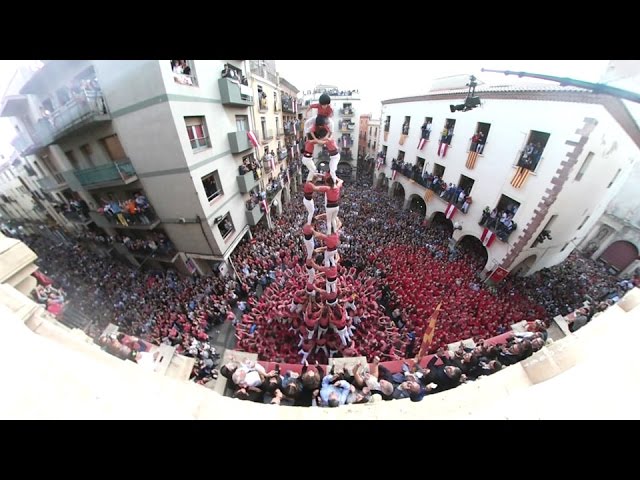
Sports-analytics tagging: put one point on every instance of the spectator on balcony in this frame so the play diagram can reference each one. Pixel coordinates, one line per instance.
(481, 141)
(474, 142)
(426, 130)
(405, 129)
(466, 204)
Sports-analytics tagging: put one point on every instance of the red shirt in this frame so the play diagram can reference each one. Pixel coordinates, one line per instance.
(332, 241)
(308, 187)
(324, 110)
(333, 195)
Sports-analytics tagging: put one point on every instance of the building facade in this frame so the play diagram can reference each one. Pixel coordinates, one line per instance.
(155, 150)
(547, 163)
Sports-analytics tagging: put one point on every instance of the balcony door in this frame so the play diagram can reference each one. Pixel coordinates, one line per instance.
(242, 123)
(113, 147)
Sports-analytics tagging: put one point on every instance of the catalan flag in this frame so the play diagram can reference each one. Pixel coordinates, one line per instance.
(402, 139)
(520, 176)
(427, 338)
(471, 159)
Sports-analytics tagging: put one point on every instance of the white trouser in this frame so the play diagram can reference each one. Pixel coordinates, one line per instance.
(311, 275)
(332, 214)
(330, 258)
(344, 335)
(304, 355)
(308, 162)
(308, 204)
(310, 246)
(333, 166)
(331, 286)
(321, 331)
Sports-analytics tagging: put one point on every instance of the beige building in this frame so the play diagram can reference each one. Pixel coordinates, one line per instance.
(173, 132)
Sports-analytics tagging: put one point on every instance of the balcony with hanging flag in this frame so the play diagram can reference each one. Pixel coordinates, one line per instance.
(242, 140)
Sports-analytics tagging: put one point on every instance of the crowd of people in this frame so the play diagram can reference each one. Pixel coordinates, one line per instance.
(393, 270)
(134, 210)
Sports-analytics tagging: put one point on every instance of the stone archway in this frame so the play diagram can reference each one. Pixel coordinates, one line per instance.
(397, 192)
(439, 220)
(522, 268)
(619, 254)
(474, 246)
(417, 204)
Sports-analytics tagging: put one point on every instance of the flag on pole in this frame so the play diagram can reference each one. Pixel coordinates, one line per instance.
(422, 143)
(487, 237)
(252, 138)
(442, 149)
(471, 159)
(427, 338)
(520, 176)
(450, 211)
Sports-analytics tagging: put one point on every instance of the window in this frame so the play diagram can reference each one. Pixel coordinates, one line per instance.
(438, 170)
(447, 131)
(405, 125)
(262, 96)
(387, 123)
(113, 147)
(615, 177)
(466, 183)
(211, 184)
(400, 156)
(225, 225)
(420, 162)
(197, 131)
(89, 155)
(545, 234)
(509, 205)
(242, 123)
(374, 144)
(72, 159)
(384, 151)
(532, 151)
(584, 166)
(584, 221)
(184, 72)
(263, 126)
(479, 137)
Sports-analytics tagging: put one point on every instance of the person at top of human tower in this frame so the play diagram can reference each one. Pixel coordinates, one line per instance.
(323, 105)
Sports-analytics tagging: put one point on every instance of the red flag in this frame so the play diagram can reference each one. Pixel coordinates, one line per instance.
(427, 338)
(252, 138)
(450, 211)
(487, 237)
(498, 274)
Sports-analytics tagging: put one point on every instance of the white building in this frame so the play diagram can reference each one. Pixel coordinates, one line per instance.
(345, 104)
(173, 131)
(588, 145)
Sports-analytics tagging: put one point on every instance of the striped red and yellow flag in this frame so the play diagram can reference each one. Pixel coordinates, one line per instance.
(429, 332)
(428, 195)
(471, 159)
(520, 176)
(402, 139)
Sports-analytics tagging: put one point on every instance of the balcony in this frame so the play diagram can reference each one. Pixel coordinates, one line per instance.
(247, 182)
(77, 217)
(239, 141)
(142, 221)
(254, 215)
(55, 182)
(283, 154)
(234, 94)
(89, 108)
(288, 106)
(111, 175)
(502, 231)
(267, 136)
(346, 112)
(271, 194)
